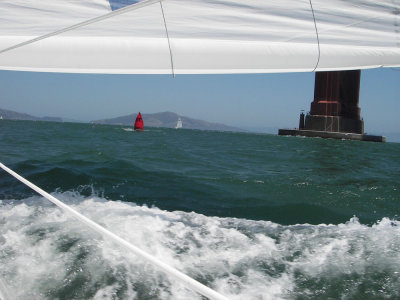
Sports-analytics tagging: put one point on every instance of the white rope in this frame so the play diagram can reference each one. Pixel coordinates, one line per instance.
(85, 23)
(190, 282)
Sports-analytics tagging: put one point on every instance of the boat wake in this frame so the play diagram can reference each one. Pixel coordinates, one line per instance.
(46, 254)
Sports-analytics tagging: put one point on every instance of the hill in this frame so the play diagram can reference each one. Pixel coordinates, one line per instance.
(167, 119)
(12, 115)
(163, 119)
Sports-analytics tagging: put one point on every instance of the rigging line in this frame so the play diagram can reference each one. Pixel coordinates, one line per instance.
(85, 23)
(316, 31)
(167, 269)
(169, 43)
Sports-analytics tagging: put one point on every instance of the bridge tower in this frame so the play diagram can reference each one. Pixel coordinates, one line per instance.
(334, 112)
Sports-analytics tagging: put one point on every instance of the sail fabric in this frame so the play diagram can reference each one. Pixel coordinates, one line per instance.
(201, 36)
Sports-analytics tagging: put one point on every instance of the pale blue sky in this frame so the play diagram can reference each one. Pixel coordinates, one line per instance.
(268, 101)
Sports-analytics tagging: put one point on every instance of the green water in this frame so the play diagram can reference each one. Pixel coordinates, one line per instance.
(254, 203)
(260, 177)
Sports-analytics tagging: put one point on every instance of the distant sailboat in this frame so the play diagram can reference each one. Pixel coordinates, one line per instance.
(138, 123)
(179, 124)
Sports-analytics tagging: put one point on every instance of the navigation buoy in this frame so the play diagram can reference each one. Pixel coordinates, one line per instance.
(138, 123)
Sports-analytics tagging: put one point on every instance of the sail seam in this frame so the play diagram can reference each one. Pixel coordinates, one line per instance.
(316, 31)
(169, 43)
(85, 23)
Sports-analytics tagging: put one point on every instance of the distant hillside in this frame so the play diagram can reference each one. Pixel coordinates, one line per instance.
(163, 119)
(12, 115)
(167, 119)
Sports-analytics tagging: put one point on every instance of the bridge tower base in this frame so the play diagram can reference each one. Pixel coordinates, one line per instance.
(334, 112)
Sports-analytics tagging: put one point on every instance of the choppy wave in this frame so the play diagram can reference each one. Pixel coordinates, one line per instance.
(259, 177)
(175, 186)
(46, 254)
(221, 207)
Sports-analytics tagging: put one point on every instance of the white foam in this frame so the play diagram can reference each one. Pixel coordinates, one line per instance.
(45, 253)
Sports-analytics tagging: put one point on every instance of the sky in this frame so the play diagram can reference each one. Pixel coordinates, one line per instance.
(260, 102)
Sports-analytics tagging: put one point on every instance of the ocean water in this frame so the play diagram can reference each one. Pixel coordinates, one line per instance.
(253, 216)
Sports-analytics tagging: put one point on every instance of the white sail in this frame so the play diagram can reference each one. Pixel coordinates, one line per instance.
(200, 36)
(178, 123)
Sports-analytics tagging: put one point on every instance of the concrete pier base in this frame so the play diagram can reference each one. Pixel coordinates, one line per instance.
(332, 135)
(333, 124)
(334, 111)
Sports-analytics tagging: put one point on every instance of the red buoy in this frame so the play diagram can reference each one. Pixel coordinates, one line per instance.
(138, 122)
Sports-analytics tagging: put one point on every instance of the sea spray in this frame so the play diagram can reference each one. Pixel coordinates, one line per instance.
(47, 254)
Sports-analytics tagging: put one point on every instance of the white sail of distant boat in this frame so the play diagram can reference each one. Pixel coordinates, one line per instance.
(198, 36)
(178, 123)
